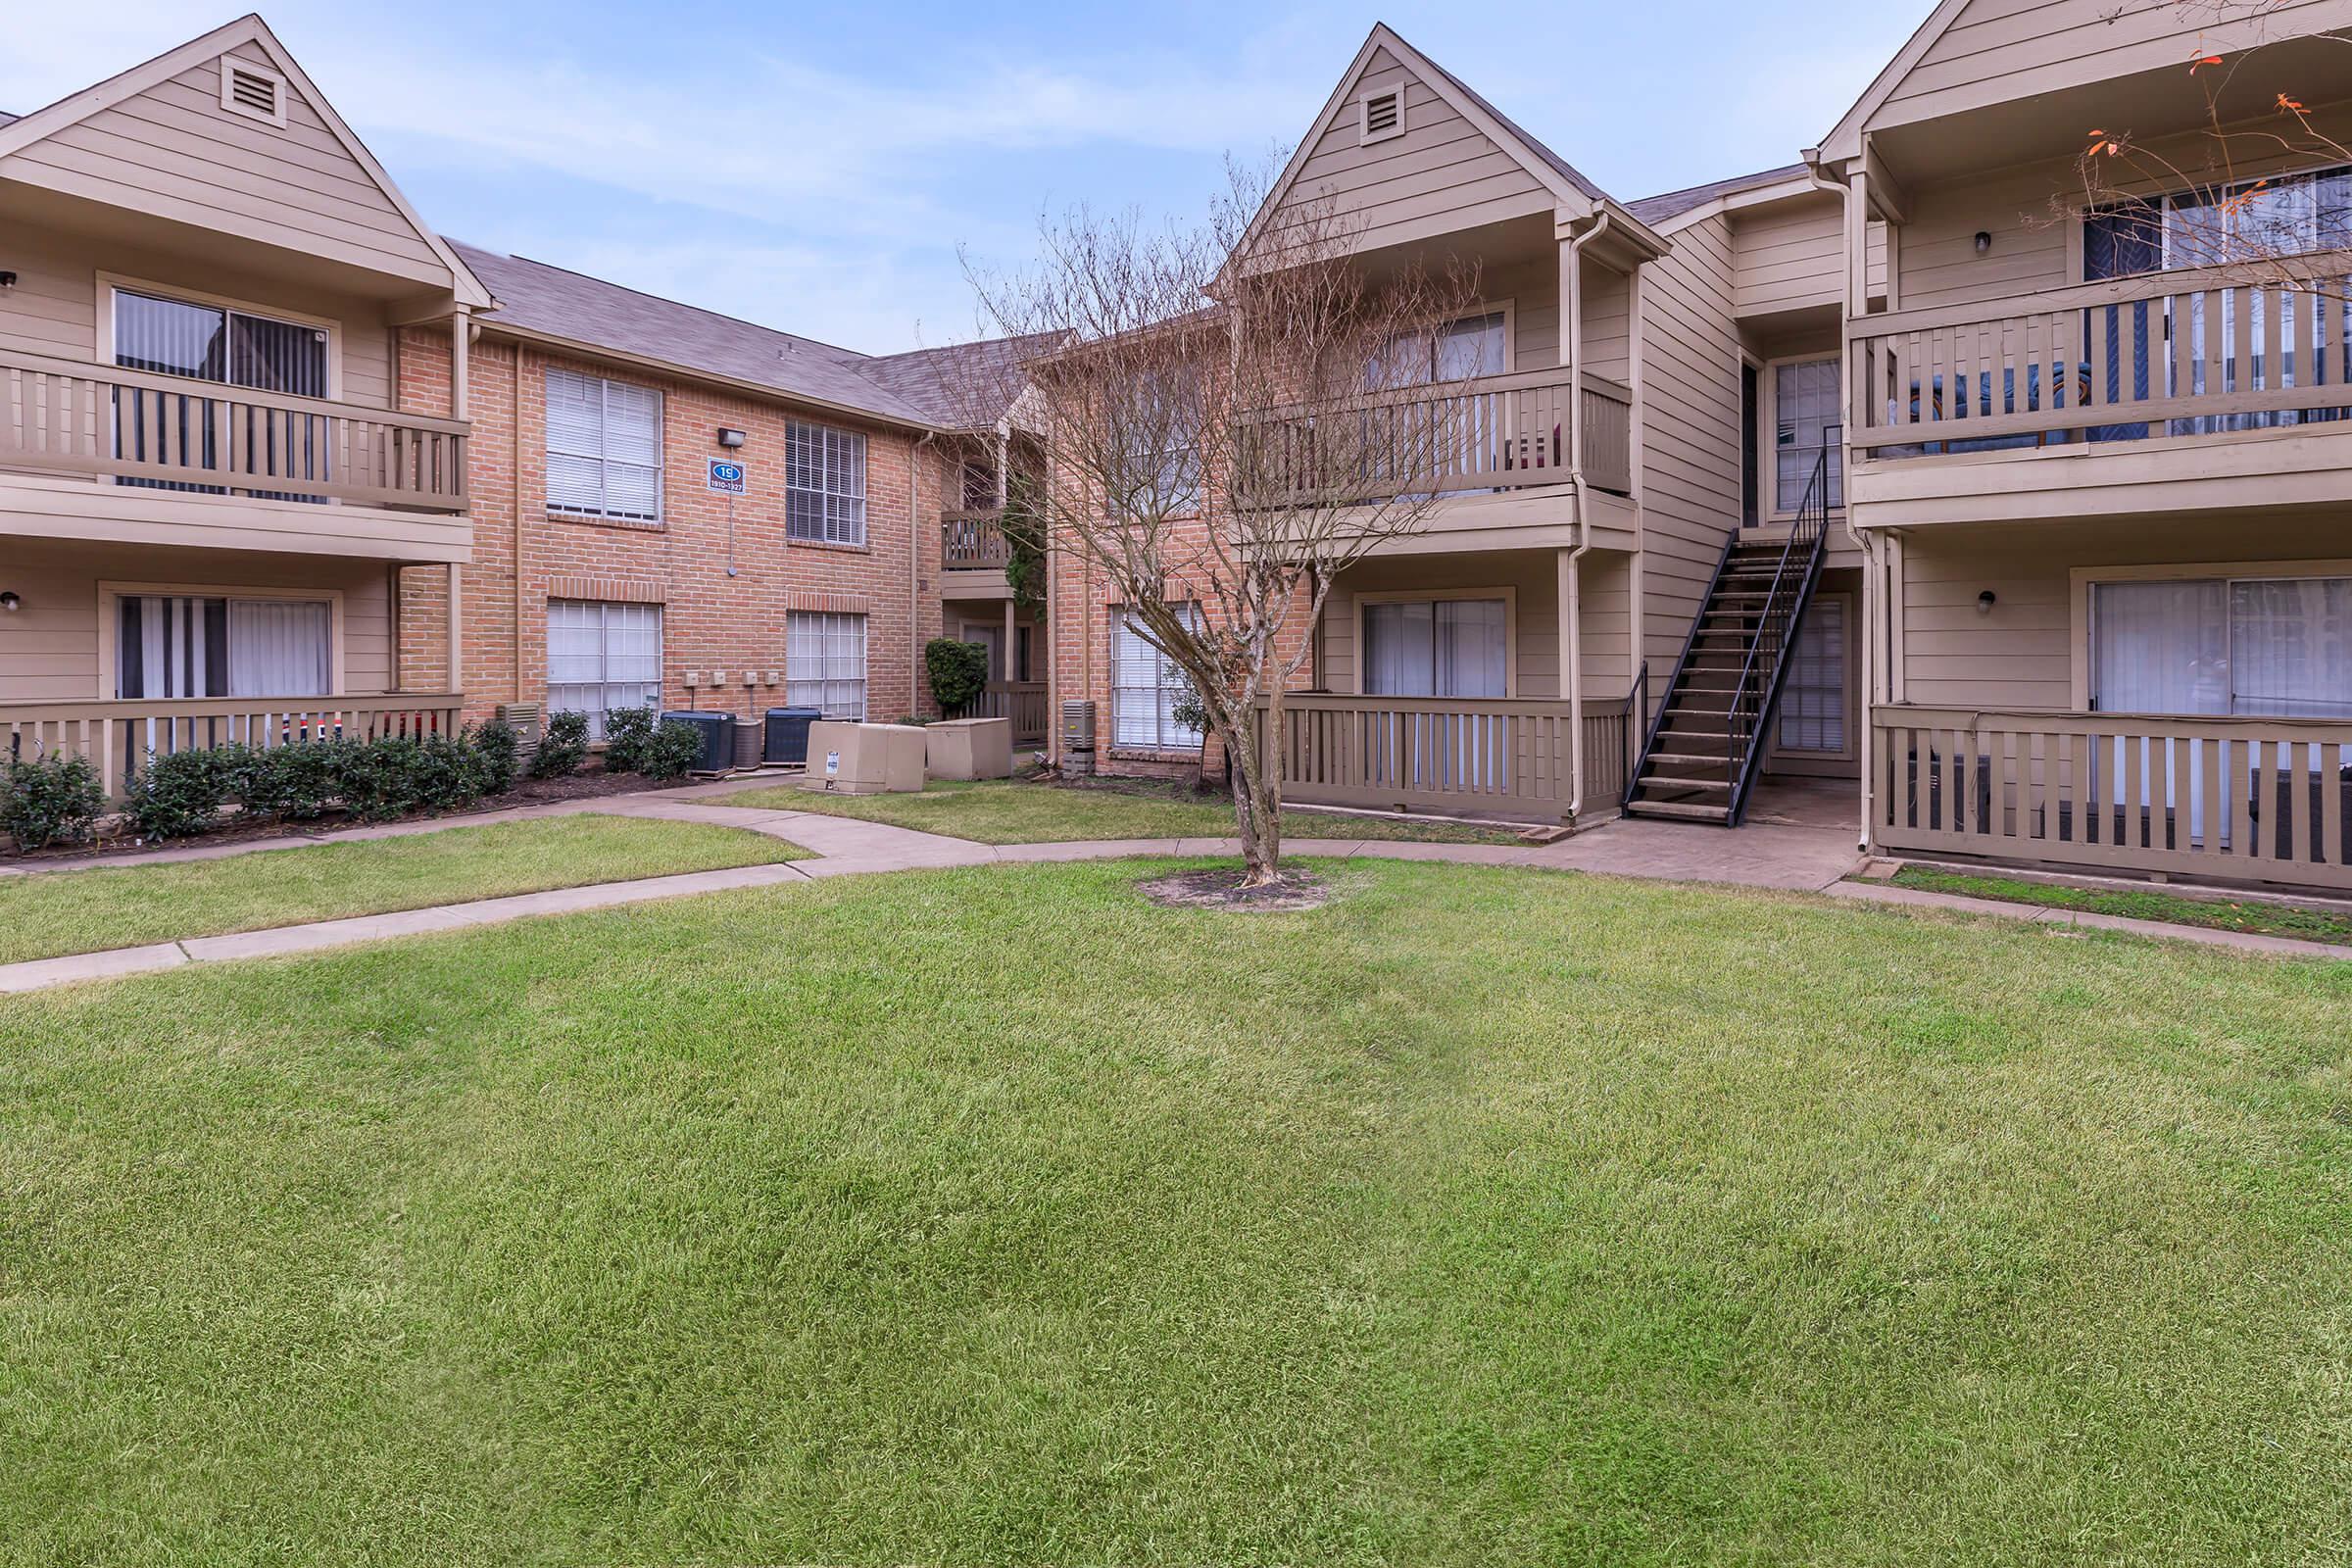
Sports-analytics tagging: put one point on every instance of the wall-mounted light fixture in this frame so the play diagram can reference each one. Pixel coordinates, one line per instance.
(1984, 242)
(1984, 603)
(8, 279)
(730, 438)
(9, 603)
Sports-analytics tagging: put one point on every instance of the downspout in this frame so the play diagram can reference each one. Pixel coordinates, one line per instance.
(914, 571)
(1874, 605)
(1572, 625)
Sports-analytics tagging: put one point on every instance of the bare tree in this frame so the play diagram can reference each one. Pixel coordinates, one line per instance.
(1226, 430)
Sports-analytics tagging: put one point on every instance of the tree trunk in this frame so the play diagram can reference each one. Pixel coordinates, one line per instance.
(1257, 795)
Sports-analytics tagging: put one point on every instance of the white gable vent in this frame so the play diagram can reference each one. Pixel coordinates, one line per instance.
(1384, 114)
(250, 90)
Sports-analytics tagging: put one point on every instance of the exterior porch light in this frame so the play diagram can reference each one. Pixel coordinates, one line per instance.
(731, 438)
(1984, 603)
(1984, 242)
(9, 603)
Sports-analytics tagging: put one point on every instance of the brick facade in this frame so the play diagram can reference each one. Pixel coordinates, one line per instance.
(725, 584)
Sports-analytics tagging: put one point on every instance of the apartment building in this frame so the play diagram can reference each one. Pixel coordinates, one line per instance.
(232, 414)
(262, 430)
(2107, 624)
(2097, 438)
(1618, 384)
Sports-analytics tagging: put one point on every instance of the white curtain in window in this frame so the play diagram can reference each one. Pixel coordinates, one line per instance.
(170, 645)
(279, 647)
(824, 662)
(2290, 647)
(1437, 648)
(2160, 646)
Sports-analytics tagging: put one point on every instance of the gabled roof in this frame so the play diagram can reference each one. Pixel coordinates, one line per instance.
(954, 382)
(19, 132)
(1568, 185)
(1673, 204)
(1844, 139)
(554, 305)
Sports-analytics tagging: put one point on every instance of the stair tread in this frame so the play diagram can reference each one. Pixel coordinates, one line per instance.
(1709, 786)
(1695, 813)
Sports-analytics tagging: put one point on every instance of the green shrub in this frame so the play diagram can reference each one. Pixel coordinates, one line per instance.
(959, 672)
(628, 739)
(562, 748)
(671, 751)
(180, 794)
(494, 747)
(377, 779)
(297, 782)
(50, 800)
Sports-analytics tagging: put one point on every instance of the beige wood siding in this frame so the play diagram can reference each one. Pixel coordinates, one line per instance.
(49, 648)
(173, 152)
(2020, 655)
(55, 307)
(1997, 51)
(1691, 430)
(1441, 174)
(1791, 256)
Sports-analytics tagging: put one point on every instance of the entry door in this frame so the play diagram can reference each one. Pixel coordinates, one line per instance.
(229, 348)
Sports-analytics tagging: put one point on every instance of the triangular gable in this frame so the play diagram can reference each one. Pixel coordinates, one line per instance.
(149, 136)
(1491, 165)
(1970, 54)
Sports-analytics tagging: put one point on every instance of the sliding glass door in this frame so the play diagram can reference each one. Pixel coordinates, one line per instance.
(229, 348)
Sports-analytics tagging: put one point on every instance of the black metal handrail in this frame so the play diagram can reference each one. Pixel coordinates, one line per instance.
(1766, 666)
(1637, 704)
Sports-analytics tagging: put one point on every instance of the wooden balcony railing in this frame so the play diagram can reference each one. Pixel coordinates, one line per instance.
(117, 736)
(2182, 353)
(973, 541)
(1021, 700)
(2229, 799)
(1508, 755)
(68, 417)
(1491, 433)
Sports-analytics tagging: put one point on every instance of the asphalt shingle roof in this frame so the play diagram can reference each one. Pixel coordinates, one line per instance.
(1675, 203)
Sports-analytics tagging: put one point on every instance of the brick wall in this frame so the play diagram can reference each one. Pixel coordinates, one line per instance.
(714, 617)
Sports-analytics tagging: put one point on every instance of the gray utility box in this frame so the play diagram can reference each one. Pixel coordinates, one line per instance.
(717, 730)
(864, 759)
(969, 748)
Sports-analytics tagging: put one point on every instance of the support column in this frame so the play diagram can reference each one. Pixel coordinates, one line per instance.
(1010, 663)
(460, 336)
(457, 619)
(1572, 662)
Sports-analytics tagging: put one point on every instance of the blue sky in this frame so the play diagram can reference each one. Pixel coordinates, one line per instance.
(817, 167)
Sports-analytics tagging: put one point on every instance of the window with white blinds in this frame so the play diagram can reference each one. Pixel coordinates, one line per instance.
(824, 662)
(178, 645)
(1813, 703)
(824, 484)
(604, 447)
(601, 657)
(1145, 689)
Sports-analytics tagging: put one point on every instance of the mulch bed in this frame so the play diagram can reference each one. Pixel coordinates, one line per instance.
(112, 840)
(1223, 890)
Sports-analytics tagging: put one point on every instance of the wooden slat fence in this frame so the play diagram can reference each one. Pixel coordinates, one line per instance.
(2236, 799)
(1438, 753)
(973, 541)
(117, 736)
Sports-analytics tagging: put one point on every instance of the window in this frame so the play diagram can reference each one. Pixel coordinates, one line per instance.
(824, 662)
(979, 485)
(1437, 648)
(1158, 427)
(603, 447)
(231, 348)
(1145, 689)
(1813, 703)
(1457, 351)
(2280, 645)
(601, 657)
(1805, 424)
(171, 645)
(824, 484)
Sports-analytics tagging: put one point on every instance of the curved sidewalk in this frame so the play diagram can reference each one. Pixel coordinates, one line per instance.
(1786, 859)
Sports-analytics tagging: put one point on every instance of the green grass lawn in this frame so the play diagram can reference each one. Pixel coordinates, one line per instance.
(996, 1216)
(2269, 919)
(64, 911)
(1007, 811)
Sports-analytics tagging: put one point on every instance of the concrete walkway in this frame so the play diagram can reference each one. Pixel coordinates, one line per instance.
(1785, 856)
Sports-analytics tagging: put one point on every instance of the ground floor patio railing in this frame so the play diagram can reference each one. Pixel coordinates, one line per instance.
(1507, 756)
(117, 736)
(2236, 799)
(1021, 700)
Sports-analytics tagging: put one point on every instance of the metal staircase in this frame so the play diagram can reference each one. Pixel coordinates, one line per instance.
(1701, 756)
